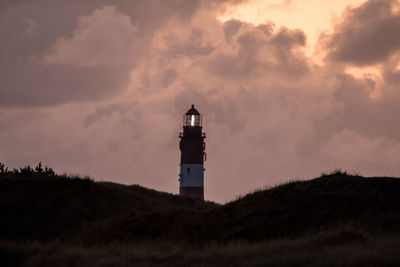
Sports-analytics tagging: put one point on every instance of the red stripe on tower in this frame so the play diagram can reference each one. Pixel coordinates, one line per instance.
(192, 146)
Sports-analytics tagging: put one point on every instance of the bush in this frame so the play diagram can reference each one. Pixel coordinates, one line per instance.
(27, 170)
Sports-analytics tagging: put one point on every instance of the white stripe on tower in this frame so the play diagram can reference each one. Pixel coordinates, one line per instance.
(192, 175)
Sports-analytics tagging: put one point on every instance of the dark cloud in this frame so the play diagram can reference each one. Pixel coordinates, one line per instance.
(355, 111)
(191, 46)
(37, 70)
(260, 49)
(104, 111)
(231, 27)
(37, 85)
(366, 35)
(55, 52)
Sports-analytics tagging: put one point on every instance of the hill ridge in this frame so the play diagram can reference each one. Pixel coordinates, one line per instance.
(39, 207)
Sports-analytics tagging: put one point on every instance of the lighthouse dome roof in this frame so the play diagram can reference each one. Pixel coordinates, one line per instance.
(192, 111)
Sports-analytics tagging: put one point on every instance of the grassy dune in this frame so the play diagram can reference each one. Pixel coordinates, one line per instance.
(324, 249)
(334, 220)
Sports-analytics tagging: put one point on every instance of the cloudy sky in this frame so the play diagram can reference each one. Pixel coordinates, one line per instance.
(287, 89)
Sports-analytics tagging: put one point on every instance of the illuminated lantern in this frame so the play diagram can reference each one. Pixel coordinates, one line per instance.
(192, 146)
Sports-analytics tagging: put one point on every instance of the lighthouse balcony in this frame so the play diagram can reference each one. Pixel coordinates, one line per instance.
(181, 135)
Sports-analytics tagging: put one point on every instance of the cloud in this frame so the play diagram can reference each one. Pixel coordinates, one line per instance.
(54, 53)
(271, 112)
(355, 151)
(259, 49)
(366, 35)
(31, 84)
(281, 5)
(105, 37)
(89, 66)
(104, 111)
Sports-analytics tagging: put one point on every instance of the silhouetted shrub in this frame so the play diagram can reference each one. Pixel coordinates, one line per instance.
(3, 168)
(27, 170)
(49, 171)
(335, 172)
(38, 168)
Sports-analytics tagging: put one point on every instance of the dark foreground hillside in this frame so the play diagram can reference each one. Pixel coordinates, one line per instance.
(43, 208)
(336, 219)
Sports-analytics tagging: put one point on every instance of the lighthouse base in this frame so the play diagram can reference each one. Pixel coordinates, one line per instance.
(192, 191)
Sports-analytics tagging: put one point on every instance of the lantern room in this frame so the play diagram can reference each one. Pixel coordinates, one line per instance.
(192, 118)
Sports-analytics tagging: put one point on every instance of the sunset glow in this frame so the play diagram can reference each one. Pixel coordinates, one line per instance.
(311, 16)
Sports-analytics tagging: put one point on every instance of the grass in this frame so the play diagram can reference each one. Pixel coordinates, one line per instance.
(337, 248)
(338, 219)
(339, 172)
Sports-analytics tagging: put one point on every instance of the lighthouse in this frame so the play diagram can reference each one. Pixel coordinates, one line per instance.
(192, 146)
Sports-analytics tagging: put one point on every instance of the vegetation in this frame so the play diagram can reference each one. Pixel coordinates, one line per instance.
(337, 219)
(27, 171)
(327, 249)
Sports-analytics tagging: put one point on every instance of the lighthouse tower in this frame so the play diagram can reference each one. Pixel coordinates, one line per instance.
(192, 146)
